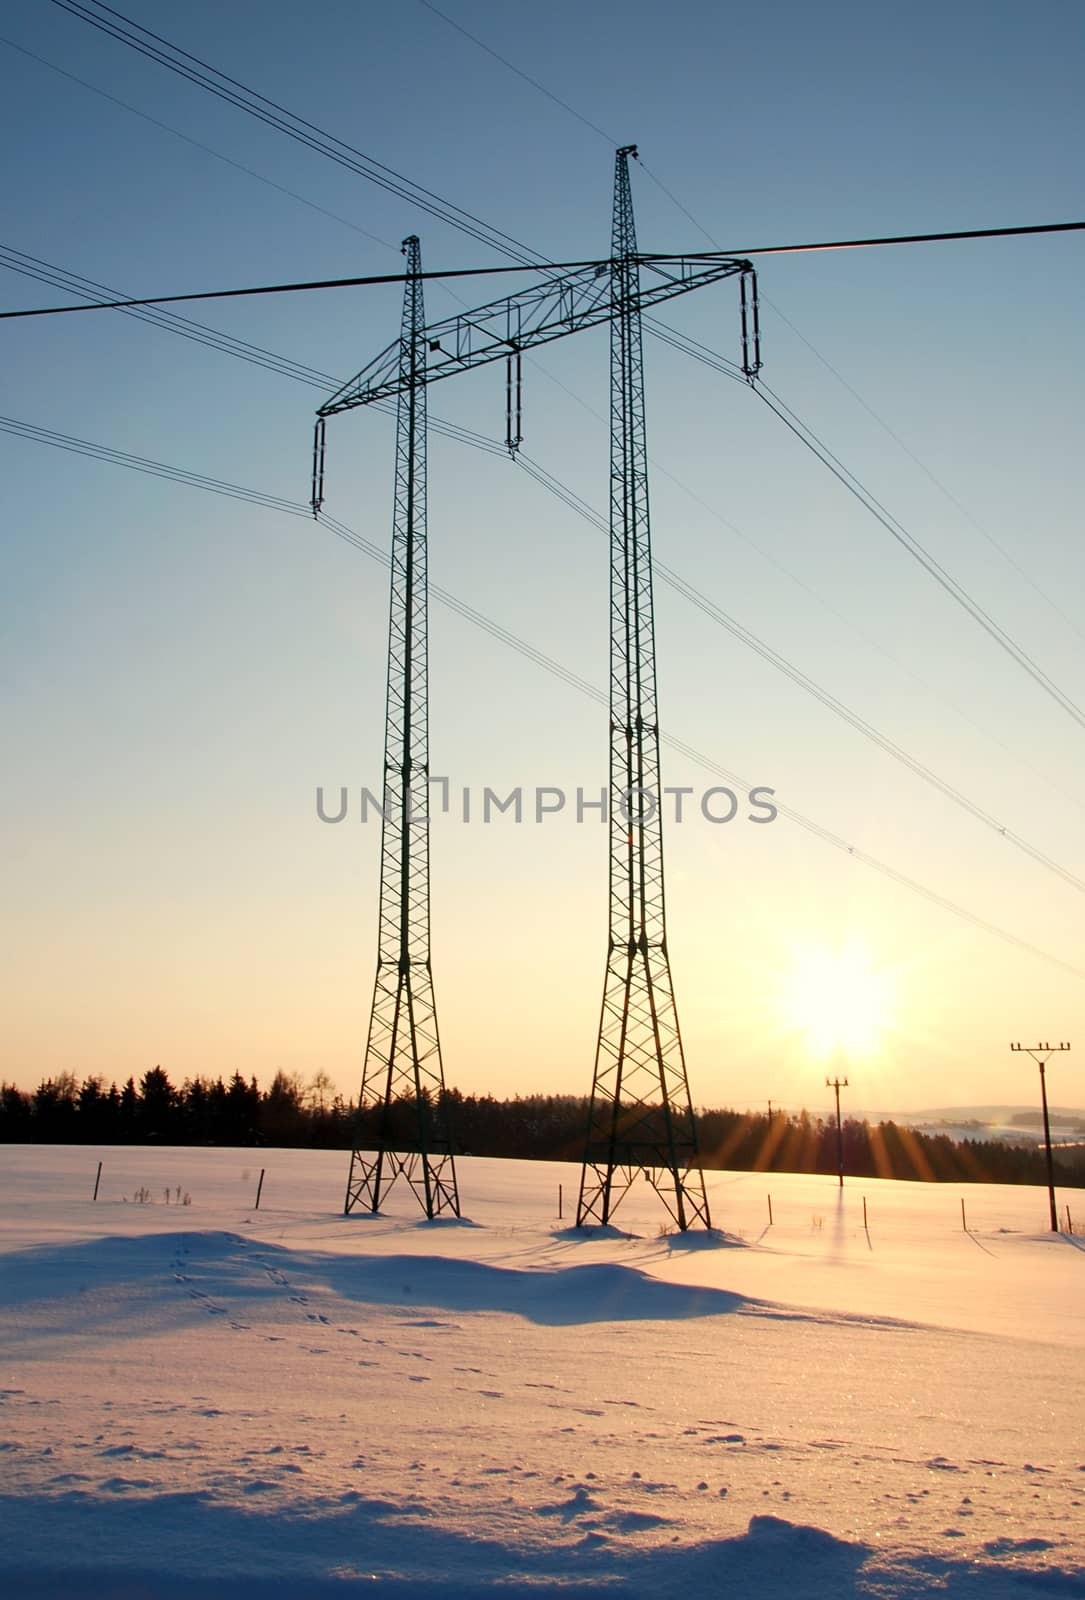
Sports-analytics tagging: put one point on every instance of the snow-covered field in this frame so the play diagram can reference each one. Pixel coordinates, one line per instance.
(210, 1400)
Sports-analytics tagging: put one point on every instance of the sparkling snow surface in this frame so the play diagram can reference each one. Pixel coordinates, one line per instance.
(204, 1399)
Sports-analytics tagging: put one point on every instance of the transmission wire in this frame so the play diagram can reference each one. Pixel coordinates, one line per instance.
(197, 144)
(929, 562)
(515, 642)
(505, 62)
(917, 551)
(923, 467)
(802, 680)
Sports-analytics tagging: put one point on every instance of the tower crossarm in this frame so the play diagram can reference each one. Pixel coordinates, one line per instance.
(562, 304)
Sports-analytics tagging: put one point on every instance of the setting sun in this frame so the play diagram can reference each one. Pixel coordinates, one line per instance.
(838, 1000)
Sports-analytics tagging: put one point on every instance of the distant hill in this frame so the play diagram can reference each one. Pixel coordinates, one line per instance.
(1014, 1124)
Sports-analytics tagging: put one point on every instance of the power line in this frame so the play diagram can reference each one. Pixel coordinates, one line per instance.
(527, 78)
(155, 469)
(891, 523)
(20, 262)
(679, 341)
(197, 144)
(34, 267)
(47, 272)
(695, 597)
(234, 92)
(944, 237)
(213, 338)
(513, 641)
(667, 334)
(923, 467)
(202, 74)
(660, 257)
(365, 281)
(191, 330)
(930, 565)
(718, 363)
(777, 249)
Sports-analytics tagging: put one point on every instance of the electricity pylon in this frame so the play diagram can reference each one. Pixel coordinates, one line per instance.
(401, 1108)
(641, 1116)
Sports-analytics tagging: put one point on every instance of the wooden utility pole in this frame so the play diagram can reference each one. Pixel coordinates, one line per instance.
(1039, 1054)
(837, 1084)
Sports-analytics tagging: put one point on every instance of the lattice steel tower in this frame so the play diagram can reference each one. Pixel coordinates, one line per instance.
(402, 1117)
(641, 1118)
(641, 1115)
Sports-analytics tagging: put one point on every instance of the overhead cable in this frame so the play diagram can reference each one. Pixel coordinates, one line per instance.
(540, 658)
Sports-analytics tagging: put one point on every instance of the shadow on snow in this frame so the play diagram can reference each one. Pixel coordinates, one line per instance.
(168, 1278)
(357, 1545)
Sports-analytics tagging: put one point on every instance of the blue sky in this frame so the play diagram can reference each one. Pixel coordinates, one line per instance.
(184, 670)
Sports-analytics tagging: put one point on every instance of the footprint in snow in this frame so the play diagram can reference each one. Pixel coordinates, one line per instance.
(633, 1521)
(577, 1504)
(1013, 1547)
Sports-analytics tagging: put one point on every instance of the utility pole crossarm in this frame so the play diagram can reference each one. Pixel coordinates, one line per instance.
(1040, 1054)
(560, 305)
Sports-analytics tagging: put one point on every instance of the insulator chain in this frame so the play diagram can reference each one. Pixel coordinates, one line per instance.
(514, 414)
(751, 324)
(318, 465)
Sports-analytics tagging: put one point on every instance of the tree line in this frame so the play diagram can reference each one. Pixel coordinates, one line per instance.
(295, 1113)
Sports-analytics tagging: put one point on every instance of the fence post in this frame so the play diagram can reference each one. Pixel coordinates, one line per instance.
(97, 1180)
(559, 1203)
(864, 1214)
(964, 1223)
(770, 1210)
(259, 1186)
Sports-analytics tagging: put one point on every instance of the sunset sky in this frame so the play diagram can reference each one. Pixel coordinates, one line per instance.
(183, 670)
